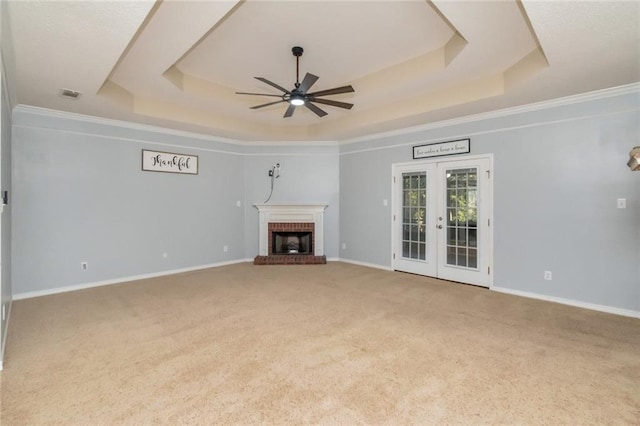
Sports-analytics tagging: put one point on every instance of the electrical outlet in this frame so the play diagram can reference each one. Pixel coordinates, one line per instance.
(548, 276)
(165, 255)
(344, 246)
(621, 203)
(225, 249)
(238, 203)
(385, 203)
(84, 266)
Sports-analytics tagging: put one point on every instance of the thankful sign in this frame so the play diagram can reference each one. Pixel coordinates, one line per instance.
(157, 161)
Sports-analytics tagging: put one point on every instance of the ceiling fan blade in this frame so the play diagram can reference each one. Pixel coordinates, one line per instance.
(272, 84)
(264, 105)
(315, 109)
(258, 94)
(307, 82)
(335, 91)
(289, 111)
(333, 103)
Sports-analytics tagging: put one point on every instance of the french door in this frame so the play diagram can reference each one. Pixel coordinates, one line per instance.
(442, 219)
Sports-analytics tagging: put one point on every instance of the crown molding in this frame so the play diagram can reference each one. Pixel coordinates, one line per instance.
(537, 106)
(92, 119)
(567, 100)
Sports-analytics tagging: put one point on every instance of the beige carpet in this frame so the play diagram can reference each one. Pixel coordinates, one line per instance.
(320, 344)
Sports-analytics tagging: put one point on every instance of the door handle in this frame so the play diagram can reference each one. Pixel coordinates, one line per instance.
(439, 226)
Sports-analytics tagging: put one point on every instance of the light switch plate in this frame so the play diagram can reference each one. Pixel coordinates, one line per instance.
(622, 203)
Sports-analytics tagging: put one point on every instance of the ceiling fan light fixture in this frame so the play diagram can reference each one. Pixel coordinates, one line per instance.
(296, 100)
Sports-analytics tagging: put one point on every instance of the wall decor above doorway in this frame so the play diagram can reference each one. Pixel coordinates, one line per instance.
(439, 149)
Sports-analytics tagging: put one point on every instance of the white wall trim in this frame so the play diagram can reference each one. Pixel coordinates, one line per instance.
(486, 132)
(367, 264)
(5, 333)
(64, 115)
(567, 100)
(576, 303)
(46, 112)
(552, 103)
(31, 294)
(185, 146)
(134, 140)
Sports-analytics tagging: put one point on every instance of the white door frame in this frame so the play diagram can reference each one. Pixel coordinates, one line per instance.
(445, 159)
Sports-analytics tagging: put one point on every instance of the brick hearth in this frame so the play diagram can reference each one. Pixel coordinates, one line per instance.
(290, 259)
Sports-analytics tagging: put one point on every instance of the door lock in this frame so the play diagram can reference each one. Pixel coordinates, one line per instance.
(439, 226)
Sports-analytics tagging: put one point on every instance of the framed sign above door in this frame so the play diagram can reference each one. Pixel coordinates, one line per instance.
(439, 149)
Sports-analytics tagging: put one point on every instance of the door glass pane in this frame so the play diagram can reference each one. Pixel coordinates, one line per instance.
(405, 249)
(462, 237)
(406, 181)
(473, 258)
(406, 198)
(462, 257)
(452, 217)
(473, 237)
(451, 238)
(414, 250)
(414, 201)
(462, 217)
(452, 200)
(451, 255)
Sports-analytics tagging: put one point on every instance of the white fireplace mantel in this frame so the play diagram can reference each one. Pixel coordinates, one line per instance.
(289, 213)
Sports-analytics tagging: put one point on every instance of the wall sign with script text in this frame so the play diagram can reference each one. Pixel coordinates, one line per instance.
(462, 146)
(156, 161)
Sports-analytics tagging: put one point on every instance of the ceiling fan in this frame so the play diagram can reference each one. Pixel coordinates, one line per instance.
(299, 96)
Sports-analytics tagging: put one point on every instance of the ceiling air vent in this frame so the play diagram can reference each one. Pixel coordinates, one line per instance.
(68, 93)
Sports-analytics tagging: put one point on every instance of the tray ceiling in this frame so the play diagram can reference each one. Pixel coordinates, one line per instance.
(177, 64)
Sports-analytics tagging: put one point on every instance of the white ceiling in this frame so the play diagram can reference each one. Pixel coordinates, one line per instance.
(177, 64)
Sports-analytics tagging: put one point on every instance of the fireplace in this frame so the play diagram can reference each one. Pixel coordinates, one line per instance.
(291, 234)
(291, 243)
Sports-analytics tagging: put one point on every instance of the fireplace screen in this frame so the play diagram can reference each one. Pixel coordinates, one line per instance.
(292, 243)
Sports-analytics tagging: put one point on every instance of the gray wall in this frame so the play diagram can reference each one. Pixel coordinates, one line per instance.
(80, 196)
(557, 175)
(308, 174)
(5, 221)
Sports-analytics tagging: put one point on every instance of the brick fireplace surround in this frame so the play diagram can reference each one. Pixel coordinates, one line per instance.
(290, 218)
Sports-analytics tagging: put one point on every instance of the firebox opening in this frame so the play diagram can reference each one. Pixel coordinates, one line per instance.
(292, 243)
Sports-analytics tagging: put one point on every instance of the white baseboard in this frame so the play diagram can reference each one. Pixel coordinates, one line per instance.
(370, 265)
(4, 334)
(595, 307)
(30, 294)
